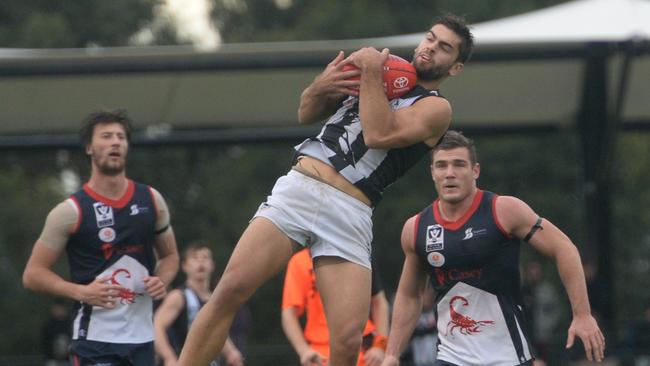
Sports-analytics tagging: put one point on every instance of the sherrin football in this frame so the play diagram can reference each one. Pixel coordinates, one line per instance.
(399, 76)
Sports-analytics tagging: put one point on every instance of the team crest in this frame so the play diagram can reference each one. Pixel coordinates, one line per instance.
(435, 238)
(103, 214)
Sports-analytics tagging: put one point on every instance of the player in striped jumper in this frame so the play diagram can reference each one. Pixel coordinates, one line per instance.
(326, 200)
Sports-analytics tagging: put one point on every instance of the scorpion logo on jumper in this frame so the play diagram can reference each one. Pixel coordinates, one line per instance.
(465, 324)
(126, 296)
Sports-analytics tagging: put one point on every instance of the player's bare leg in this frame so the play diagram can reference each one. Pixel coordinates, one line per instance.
(262, 251)
(345, 289)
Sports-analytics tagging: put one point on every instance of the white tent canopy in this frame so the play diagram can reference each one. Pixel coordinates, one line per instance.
(528, 72)
(570, 22)
(576, 21)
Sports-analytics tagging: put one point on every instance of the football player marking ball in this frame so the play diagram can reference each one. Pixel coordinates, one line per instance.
(399, 76)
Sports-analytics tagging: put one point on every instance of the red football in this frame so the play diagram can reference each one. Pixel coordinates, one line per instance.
(399, 76)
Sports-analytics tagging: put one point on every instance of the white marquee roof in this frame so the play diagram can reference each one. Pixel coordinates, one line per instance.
(527, 71)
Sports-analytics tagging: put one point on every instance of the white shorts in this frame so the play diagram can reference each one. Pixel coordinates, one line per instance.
(316, 215)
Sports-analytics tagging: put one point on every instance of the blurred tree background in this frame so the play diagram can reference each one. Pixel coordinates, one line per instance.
(213, 190)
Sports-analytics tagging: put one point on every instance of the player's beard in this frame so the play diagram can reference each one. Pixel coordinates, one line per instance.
(110, 169)
(434, 73)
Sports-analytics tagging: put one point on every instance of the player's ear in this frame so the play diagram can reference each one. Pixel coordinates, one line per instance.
(456, 68)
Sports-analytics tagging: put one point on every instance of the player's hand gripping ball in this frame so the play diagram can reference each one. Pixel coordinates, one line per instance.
(399, 76)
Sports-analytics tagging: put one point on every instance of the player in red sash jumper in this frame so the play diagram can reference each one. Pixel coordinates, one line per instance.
(121, 252)
(467, 244)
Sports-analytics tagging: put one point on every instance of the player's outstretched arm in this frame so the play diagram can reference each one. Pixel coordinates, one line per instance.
(320, 98)
(519, 219)
(408, 300)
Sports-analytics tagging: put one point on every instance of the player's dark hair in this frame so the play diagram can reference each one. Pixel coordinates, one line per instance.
(103, 116)
(454, 139)
(195, 246)
(460, 27)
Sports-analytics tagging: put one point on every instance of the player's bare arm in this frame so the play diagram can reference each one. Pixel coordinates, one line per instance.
(320, 98)
(408, 299)
(166, 250)
(231, 354)
(39, 276)
(379, 314)
(165, 315)
(519, 219)
(425, 120)
(166, 268)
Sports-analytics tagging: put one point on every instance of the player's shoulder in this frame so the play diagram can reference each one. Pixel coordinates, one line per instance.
(175, 299)
(511, 211)
(434, 112)
(409, 230)
(67, 207)
(434, 103)
(157, 197)
(509, 203)
(411, 221)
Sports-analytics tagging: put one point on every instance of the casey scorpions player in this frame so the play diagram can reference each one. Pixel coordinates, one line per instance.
(110, 230)
(467, 243)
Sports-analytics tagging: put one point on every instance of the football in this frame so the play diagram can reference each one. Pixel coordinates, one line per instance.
(399, 76)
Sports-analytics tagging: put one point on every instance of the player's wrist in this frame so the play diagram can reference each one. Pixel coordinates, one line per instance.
(380, 341)
(79, 292)
(390, 359)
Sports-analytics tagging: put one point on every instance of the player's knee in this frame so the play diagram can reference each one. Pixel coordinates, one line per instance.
(231, 292)
(348, 340)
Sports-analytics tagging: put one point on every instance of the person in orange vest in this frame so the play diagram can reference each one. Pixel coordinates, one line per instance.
(301, 298)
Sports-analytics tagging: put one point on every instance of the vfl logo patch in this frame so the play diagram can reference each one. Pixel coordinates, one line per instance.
(435, 238)
(103, 214)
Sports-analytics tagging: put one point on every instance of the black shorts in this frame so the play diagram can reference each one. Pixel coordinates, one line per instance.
(93, 353)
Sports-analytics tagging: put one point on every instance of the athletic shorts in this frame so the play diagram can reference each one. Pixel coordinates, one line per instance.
(445, 363)
(321, 217)
(93, 353)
